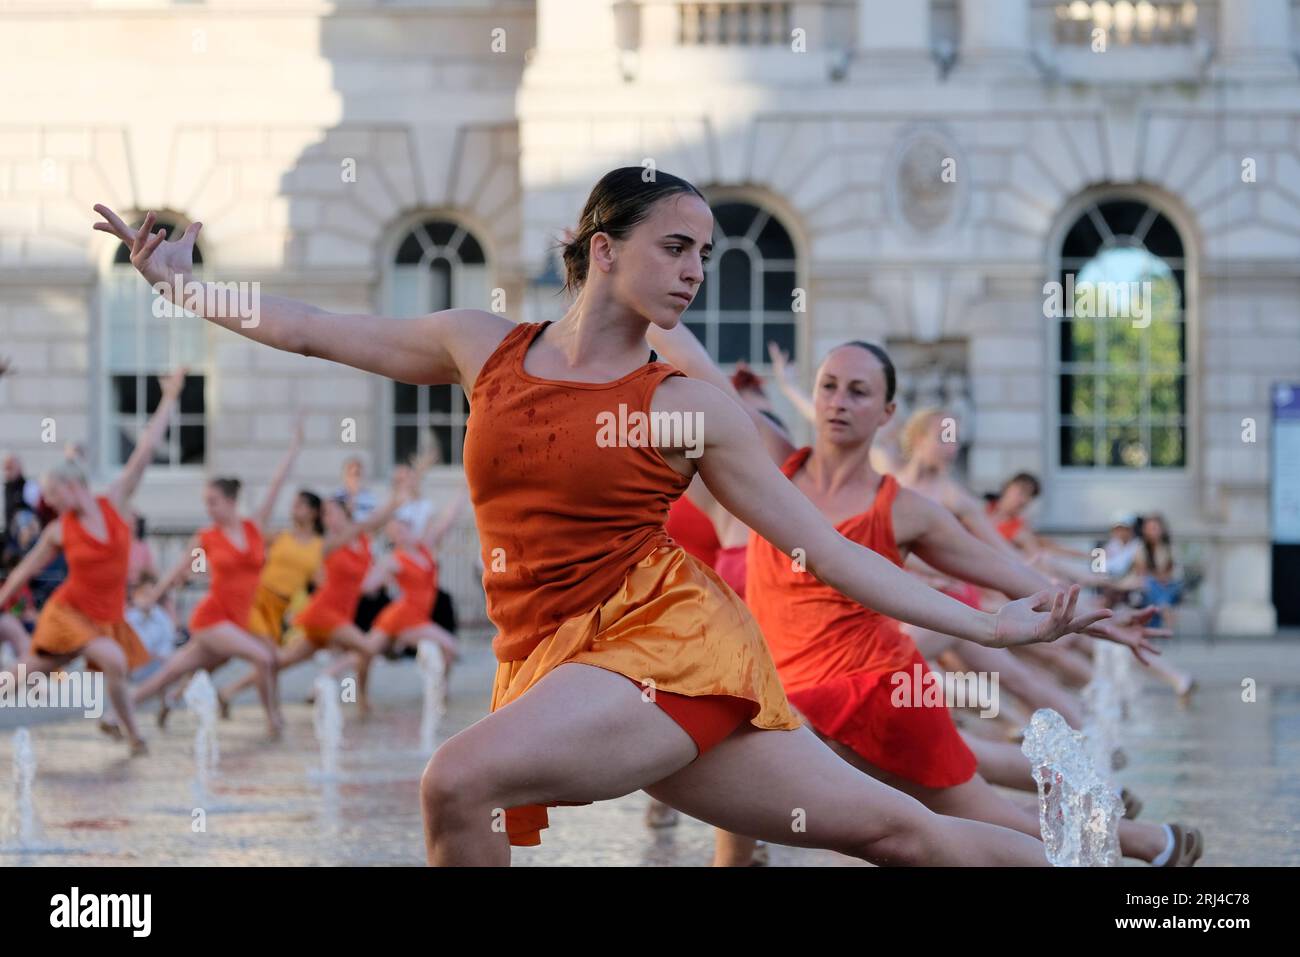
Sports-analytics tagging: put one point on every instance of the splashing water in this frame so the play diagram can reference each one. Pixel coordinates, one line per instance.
(1107, 701)
(1078, 809)
(328, 719)
(432, 668)
(25, 829)
(201, 698)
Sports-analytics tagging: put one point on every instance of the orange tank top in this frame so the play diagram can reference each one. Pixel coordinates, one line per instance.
(815, 633)
(1009, 528)
(233, 574)
(563, 513)
(345, 573)
(97, 570)
(419, 583)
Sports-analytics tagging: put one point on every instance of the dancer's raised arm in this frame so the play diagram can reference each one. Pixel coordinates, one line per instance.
(744, 480)
(263, 515)
(443, 347)
(123, 487)
(781, 375)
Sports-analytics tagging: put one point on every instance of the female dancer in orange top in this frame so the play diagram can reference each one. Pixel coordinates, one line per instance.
(845, 667)
(598, 614)
(85, 615)
(233, 554)
(326, 622)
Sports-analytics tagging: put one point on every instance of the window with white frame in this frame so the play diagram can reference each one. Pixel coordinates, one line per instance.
(145, 337)
(746, 299)
(1122, 340)
(438, 265)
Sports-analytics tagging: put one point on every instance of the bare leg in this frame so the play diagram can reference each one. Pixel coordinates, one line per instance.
(976, 800)
(107, 655)
(13, 634)
(227, 640)
(1035, 687)
(1073, 668)
(781, 786)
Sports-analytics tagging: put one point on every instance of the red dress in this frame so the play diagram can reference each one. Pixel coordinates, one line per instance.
(335, 604)
(844, 666)
(419, 585)
(234, 577)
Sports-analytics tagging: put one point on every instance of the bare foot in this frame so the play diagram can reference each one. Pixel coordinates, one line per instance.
(138, 748)
(164, 711)
(660, 815)
(111, 729)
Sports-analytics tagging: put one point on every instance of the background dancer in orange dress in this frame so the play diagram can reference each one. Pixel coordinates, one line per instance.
(327, 621)
(590, 598)
(233, 554)
(86, 614)
(841, 664)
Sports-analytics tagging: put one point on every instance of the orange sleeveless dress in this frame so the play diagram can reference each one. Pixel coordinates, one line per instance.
(844, 665)
(336, 603)
(234, 575)
(91, 602)
(578, 566)
(419, 585)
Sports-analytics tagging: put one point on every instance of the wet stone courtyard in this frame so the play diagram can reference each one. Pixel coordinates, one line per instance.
(1228, 766)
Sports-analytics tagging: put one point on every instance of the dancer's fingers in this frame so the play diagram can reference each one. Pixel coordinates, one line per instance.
(1073, 594)
(1087, 620)
(191, 233)
(115, 224)
(153, 243)
(141, 236)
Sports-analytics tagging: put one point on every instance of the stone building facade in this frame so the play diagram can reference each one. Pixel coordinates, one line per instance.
(913, 172)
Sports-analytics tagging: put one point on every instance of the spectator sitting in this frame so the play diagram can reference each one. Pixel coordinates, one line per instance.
(1154, 563)
(155, 627)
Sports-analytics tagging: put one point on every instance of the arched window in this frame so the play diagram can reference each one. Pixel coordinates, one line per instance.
(747, 295)
(437, 265)
(1122, 354)
(144, 338)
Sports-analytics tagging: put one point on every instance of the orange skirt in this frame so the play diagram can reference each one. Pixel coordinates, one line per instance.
(400, 616)
(266, 620)
(62, 630)
(318, 623)
(673, 625)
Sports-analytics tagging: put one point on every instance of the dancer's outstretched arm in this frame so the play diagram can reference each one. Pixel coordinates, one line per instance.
(42, 553)
(440, 523)
(939, 539)
(123, 487)
(177, 575)
(428, 350)
(746, 482)
(263, 515)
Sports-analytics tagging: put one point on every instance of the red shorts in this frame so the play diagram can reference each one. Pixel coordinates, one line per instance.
(731, 568)
(708, 719)
(920, 744)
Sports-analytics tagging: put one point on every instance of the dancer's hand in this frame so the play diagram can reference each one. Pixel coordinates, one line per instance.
(1045, 616)
(1129, 628)
(174, 383)
(780, 361)
(157, 258)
